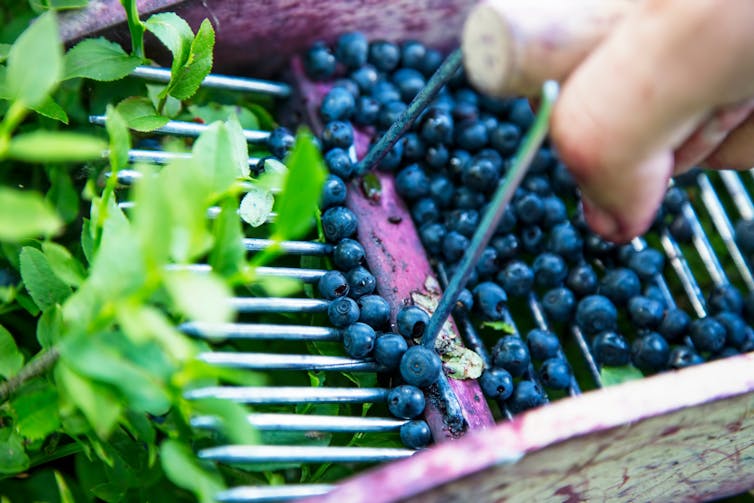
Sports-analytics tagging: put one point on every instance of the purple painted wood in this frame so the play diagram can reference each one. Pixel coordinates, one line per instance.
(679, 436)
(396, 257)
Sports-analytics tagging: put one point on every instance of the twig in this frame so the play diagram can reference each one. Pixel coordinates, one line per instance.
(31, 370)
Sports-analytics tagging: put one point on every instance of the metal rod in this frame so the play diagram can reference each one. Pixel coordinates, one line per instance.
(301, 454)
(639, 244)
(305, 275)
(738, 192)
(259, 331)
(682, 270)
(289, 395)
(164, 157)
(586, 352)
(492, 216)
(274, 361)
(291, 247)
(193, 129)
(704, 248)
(217, 81)
(212, 211)
(444, 73)
(304, 422)
(278, 305)
(271, 494)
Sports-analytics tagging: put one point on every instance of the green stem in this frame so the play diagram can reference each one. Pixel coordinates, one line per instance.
(12, 119)
(135, 26)
(31, 370)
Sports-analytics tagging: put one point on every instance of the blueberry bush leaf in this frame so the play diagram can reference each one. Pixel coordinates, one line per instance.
(182, 468)
(140, 114)
(98, 59)
(175, 34)
(618, 375)
(11, 358)
(198, 65)
(26, 215)
(43, 285)
(55, 146)
(256, 206)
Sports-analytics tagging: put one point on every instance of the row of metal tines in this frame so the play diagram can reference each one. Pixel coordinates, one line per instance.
(261, 396)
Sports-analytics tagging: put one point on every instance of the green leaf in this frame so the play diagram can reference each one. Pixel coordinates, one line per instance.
(201, 297)
(37, 412)
(62, 194)
(500, 325)
(213, 152)
(181, 467)
(298, 201)
(49, 327)
(140, 114)
(187, 80)
(227, 255)
(120, 139)
(212, 112)
(58, 4)
(145, 323)
(256, 206)
(66, 496)
(55, 146)
(98, 59)
(238, 145)
(97, 402)
(171, 107)
(175, 34)
(26, 215)
(4, 51)
(49, 108)
(35, 62)
(152, 217)
(11, 359)
(232, 418)
(41, 282)
(13, 457)
(63, 264)
(618, 375)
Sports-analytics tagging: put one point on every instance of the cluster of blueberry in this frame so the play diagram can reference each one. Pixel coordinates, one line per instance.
(446, 168)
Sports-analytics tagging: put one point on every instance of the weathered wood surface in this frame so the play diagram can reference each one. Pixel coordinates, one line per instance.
(680, 436)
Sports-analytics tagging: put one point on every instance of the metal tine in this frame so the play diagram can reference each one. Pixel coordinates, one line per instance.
(305, 422)
(530, 372)
(278, 305)
(212, 211)
(272, 494)
(258, 331)
(217, 81)
(301, 454)
(541, 321)
(290, 247)
(683, 271)
(724, 228)
(305, 275)
(704, 247)
(128, 177)
(586, 352)
(738, 192)
(276, 361)
(279, 395)
(639, 244)
(192, 129)
(164, 157)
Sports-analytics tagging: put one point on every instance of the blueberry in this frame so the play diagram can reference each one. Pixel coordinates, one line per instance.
(543, 161)
(412, 183)
(619, 285)
(595, 314)
(339, 163)
(440, 189)
(420, 366)
(521, 114)
(647, 263)
(744, 232)
(409, 82)
(360, 281)
(625, 253)
(413, 147)
(405, 401)
(437, 156)
(532, 239)
(444, 101)
(366, 77)
(506, 246)
(425, 211)
(611, 349)
(682, 357)
(554, 212)
(508, 221)
(385, 92)
(415, 434)
(555, 373)
(645, 312)
(496, 383)
(334, 192)
(597, 247)
(465, 300)
(527, 395)
(454, 245)
(431, 62)
(333, 284)
(505, 138)
(412, 321)
(471, 135)
(481, 175)
(463, 221)
(565, 240)
(675, 324)
(487, 265)
(735, 328)
(466, 111)
(384, 55)
(537, 184)
(748, 344)
(389, 113)
(358, 340)
(343, 311)
(726, 352)
(351, 49)
(562, 180)
(348, 254)
(339, 222)
(319, 62)
(473, 276)
(510, 353)
(366, 111)
(674, 200)
(748, 307)
(655, 293)
(707, 334)
(337, 134)
(680, 229)
(650, 352)
(517, 278)
(490, 300)
(558, 304)
(432, 236)
(280, 142)
(437, 127)
(412, 54)
(582, 279)
(529, 208)
(725, 298)
(392, 158)
(550, 270)
(457, 163)
(338, 104)
(543, 344)
(466, 198)
(374, 311)
(389, 349)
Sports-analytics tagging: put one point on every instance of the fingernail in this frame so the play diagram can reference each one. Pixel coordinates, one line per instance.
(599, 220)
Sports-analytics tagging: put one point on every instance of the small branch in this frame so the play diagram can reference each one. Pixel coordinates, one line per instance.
(31, 370)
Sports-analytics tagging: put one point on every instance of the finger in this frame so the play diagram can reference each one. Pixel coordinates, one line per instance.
(737, 151)
(636, 99)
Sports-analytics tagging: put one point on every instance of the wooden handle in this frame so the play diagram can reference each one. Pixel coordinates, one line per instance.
(511, 47)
